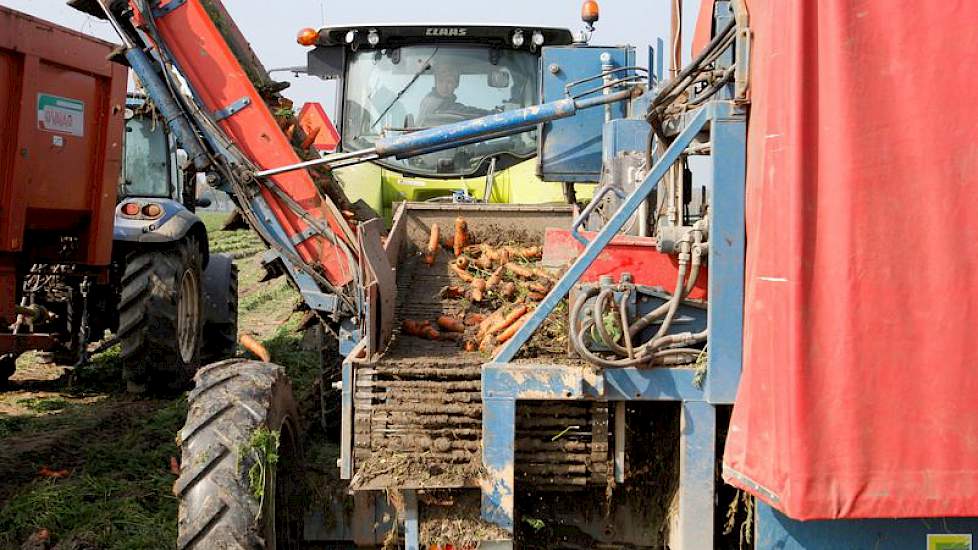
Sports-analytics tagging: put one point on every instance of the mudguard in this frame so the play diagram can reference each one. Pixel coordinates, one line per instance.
(216, 287)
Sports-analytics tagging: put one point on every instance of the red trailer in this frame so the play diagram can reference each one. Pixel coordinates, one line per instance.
(62, 103)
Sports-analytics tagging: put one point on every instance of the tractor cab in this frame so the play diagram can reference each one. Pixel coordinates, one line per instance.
(403, 78)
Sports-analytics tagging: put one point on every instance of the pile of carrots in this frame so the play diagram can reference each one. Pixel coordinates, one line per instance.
(501, 277)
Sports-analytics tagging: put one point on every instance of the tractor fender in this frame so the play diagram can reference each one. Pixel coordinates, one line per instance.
(217, 286)
(174, 224)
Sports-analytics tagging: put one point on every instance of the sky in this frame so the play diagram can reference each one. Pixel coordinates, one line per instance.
(271, 26)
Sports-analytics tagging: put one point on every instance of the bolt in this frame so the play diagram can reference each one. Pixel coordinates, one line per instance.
(337, 385)
(554, 68)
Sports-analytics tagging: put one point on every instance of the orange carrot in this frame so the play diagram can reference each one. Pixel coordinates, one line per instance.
(462, 274)
(461, 235)
(478, 288)
(509, 319)
(495, 278)
(452, 292)
(473, 319)
(450, 324)
(254, 346)
(535, 296)
(484, 262)
(489, 321)
(543, 274)
(429, 256)
(462, 262)
(508, 333)
(539, 288)
(519, 271)
(527, 252)
(415, 328)
(508, 290)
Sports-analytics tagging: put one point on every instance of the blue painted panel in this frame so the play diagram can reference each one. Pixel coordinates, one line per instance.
(498, 452)
(624, 135)
(777, 531)
(570, 149)
(726, 255)
(697, 460)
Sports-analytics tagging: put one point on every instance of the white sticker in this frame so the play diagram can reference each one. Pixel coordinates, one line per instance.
(60, 114)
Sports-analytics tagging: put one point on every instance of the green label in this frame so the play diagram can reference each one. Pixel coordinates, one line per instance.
(60, 114)
(949, 542)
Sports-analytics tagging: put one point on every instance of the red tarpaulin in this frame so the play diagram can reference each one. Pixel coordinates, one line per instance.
(859, 396)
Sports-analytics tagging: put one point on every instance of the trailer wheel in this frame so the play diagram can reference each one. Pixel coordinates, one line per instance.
(221, 338)
(232, 493)
(161, 316)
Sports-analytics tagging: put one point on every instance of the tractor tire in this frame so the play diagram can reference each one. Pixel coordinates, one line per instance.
(221, 339)
(233, 400)
(161, 317)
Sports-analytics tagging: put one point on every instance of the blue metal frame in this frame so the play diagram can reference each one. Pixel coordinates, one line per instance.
(504, 383)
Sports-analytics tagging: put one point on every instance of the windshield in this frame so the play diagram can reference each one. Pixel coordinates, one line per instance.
(147, 168)
(403, 89)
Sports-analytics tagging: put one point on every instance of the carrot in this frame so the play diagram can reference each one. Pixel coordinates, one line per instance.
(488, 322)
(495, 278)
(452, 292)
(527, 252)
(539, 288)
(519, 271)
(461, 235)
(485, 346)
(254, 346)
(450, 324)
(462, 274)
(484, 262)
(535, 296)
(509, 332)
(509, 319)
(429, 257)
(471, 346)
(508, 290)
(503, 256)
(415, 328)
(462, 262)
(478, 288)
(432, 333)
(474, 319)
(543, 274)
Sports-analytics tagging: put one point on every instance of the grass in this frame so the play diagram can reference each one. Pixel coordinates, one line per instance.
(119, 495)
(117, 449)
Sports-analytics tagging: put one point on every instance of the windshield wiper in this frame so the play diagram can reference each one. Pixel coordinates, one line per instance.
(424, 67)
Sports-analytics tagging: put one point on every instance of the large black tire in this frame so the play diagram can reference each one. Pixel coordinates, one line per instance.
(233, 400)
(161, 316)
(221, 339)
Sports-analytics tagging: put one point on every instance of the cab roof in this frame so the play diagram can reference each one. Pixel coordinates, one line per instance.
(395, 35)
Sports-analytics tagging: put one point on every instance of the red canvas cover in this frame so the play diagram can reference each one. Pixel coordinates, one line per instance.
(859, 396)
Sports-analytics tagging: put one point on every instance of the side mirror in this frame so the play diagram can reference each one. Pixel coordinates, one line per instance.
(203, 202)
(498, 79)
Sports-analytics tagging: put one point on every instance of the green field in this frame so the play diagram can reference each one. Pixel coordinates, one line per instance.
(88, 466)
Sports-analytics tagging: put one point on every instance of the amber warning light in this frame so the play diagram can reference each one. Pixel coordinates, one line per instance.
(307, 37)
(590, 13)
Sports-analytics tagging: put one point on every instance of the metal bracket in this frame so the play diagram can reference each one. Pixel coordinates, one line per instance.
(303, 235)
(161, 11)
(232, 108)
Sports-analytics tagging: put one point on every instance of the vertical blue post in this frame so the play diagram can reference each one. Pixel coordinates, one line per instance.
(726, 255)
(697, 454)
(346, 420)
(411, 533)
(498, 456)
